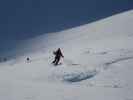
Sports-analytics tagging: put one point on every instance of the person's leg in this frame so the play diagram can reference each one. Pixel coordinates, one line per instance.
(57, 60)
(54, 60)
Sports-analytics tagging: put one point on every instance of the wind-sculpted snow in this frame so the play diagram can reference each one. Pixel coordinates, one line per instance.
(77, 77)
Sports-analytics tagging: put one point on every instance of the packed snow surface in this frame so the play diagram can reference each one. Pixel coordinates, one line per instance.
(98, 64)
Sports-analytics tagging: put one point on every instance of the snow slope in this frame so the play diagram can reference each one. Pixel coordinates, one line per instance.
(97, 65)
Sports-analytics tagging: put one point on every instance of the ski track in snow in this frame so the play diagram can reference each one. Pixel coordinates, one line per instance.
(107, 64)
(118, 60)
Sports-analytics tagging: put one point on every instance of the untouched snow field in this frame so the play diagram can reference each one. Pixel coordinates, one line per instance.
(98, 64)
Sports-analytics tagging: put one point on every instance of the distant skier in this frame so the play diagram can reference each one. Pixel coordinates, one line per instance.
(58, 54)
(28, 60)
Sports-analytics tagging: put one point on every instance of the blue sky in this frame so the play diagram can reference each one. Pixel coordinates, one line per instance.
(23, 19)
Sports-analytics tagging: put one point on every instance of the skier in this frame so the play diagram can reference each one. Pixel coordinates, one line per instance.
(28, 60)
(58, 54)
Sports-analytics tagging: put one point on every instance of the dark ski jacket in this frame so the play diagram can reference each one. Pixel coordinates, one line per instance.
(58, 53)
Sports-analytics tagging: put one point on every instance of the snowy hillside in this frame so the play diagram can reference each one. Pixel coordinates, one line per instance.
(98, 64)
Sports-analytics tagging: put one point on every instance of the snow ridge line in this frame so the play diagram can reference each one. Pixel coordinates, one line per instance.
(116, 61)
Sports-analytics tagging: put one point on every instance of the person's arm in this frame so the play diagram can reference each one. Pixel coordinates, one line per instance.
(62, 55)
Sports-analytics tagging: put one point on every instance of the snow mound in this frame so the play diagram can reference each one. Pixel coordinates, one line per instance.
(80, 76)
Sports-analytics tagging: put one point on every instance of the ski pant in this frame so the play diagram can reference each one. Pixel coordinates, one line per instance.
(56, 60)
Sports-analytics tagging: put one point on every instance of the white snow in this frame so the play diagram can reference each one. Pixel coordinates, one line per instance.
(98, 64)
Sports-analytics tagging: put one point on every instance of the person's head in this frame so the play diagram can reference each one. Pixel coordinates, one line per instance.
(59, 49)
(28, 58)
